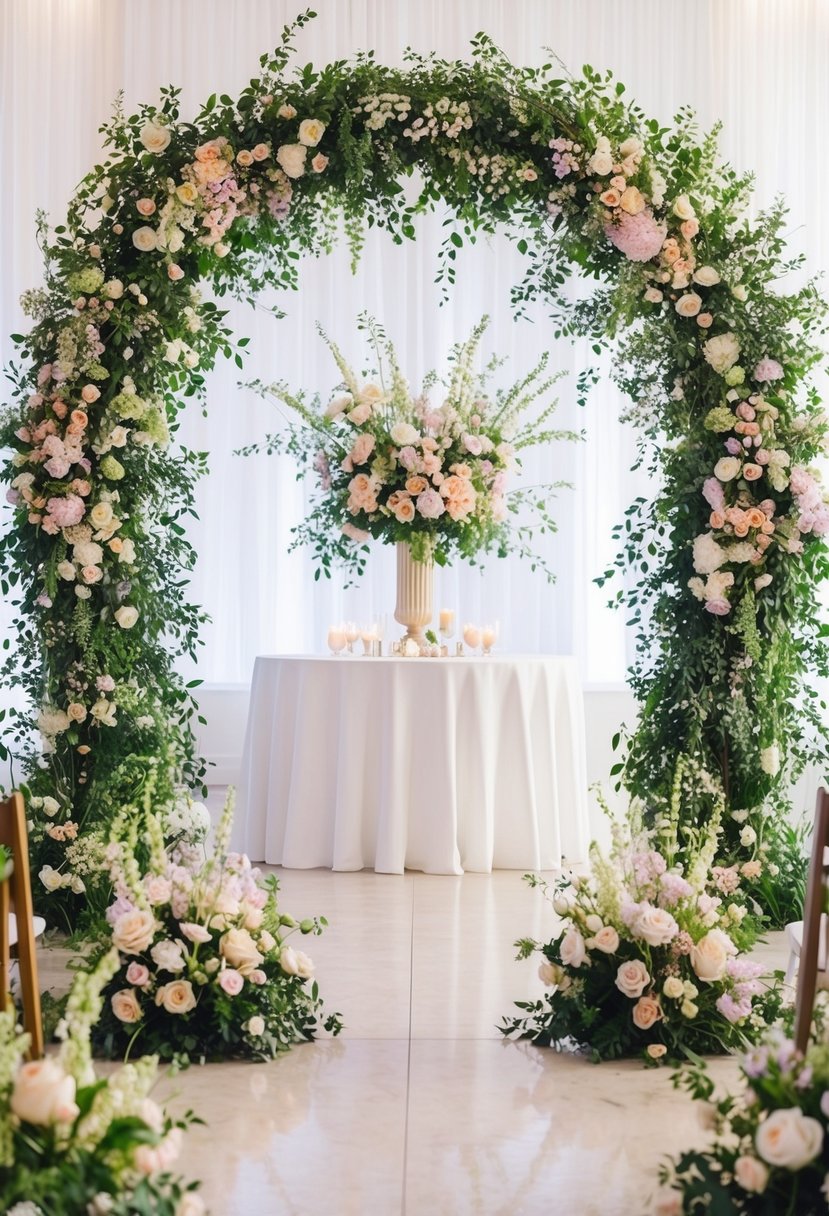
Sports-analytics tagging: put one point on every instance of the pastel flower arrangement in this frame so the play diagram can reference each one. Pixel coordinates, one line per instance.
(650, 956)
(771, 1151)
(72, 1142)
(434, 475)
(205, 966)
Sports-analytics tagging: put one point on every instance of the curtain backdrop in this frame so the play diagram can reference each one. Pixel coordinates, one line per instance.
(758, 65)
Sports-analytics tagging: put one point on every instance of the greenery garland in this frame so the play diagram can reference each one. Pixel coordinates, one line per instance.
(721, 565)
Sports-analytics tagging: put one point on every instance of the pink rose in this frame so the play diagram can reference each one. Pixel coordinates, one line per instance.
(646, 1012)
(231, 981)
(718, 607)
(430, 504)
(319, 162)
(258, 977)
(767, 370)
(195, 933)
(90, 393)
(145, 206)
(137, 974)
(174, 272)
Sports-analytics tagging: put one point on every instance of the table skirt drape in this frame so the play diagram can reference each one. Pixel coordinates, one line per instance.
(439, 765)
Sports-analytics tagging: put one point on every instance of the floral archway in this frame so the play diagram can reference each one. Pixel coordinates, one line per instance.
(727, 554)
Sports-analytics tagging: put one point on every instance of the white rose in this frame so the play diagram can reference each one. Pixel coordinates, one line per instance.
(155, 137)
(593, 923)
(655, 926)
(708, 554)
(267, 941)
(133, 931)
(632, 978)
(722, 352)
(748, 836)
(256, 1026)
(770, 760)
(572, 948)
(706, 276)
(239, 948)
(126, 616)
(43, 1094)
(127, 553)
(606, 940)
(709, 956)
(311, 131)
(727, 468)
(51, 806)
(291, 159)
(125, 1006)
(550, 974)
(600, 163)
(788, 1138)
(689, 304)
(294, 962)
(750, 1174)
(145, 239)
(739, 292)
(104, 712)
(404, 434)
(51, 879)
(683, 208)
(167, 956)
(66, 570)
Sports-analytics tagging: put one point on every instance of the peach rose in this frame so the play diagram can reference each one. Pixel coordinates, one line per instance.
(244, 158)
(76, 712)
(261, 152)
(716, 519)
(43, 1094)
(689, 304)
(145, 206)
(632, 201)
(319, 163)
(751, 472)
(404, 511)
(705, 320)
(90, 393)
(606, 940)
(133, 932)
(80, 419)
(646, 1012)
(751, 1174)
(632, 978)
(611, 198)
(176, 997)
(416, 485)
(362, 448)
(174, 272)
(689, 229)
(125, 1006)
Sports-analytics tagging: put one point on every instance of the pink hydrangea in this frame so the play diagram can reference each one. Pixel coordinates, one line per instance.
(673, 888)
(430, 504)
(66, 512)
(767, 370)
(638, 237)
(733, 1011)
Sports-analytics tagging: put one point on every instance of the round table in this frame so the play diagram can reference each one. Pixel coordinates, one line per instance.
(439, 765)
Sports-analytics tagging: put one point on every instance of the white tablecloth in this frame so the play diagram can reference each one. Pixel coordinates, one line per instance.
(440, 765)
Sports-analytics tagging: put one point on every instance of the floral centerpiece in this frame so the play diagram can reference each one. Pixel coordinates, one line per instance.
(771, 1152)
(649, 958)
(205, 970)
(431, 474)
(71, 1142)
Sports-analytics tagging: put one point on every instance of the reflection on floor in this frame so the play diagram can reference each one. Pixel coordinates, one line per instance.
(421, 1107)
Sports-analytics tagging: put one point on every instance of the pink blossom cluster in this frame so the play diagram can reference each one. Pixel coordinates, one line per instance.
(808, 497)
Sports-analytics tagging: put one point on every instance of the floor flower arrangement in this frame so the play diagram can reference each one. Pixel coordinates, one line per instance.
(71, 1142)
(771, 1152)
(206, 970)
(649, 958)
(432, 470)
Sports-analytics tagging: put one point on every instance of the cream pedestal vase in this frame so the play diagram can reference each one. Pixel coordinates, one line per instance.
(414, 592)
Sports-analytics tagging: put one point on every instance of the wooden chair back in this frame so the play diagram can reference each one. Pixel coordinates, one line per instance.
(815, 889)
(16, 895)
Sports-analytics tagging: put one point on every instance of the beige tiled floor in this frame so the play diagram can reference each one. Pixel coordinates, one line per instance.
(421, 1107)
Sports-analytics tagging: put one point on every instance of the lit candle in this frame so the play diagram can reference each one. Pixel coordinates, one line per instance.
(447, 621)
(336, 638)
(472, 636)
(488, 636)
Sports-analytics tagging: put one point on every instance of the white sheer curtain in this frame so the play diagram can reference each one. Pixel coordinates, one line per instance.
(756, 64)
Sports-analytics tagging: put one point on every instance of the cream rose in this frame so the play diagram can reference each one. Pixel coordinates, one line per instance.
(632, 978)
(239, 948)
(145, 239)
(113, 290)
(706, 276)
(404, 434)
(709, 957)
(632, 201)
(572, 948)
(689, 304)
(673, 988)
(311, 131)
(256, 1026)
(133, 932)
(750, 1174)
(155, 137)
(646, 1012)
(187, 193)
(101, 515)
(789, 1139)
(727, 468)
(291, 159)
(126, 616)
(168, 956)
(655, 926)
(43, 1094)
(176, 997)
(606, 940)
(683, 208)
(125, 1006)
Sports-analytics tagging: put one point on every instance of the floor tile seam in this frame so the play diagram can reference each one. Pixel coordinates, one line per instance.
(404, 1180)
